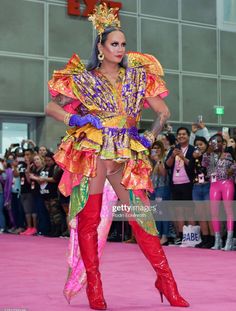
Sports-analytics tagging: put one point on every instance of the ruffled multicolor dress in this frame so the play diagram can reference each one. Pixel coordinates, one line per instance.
(119, 109)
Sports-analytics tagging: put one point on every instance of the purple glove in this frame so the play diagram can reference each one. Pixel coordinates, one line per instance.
(76, 120)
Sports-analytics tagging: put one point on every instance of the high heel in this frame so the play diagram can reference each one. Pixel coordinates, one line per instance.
(152, 249)
(89, 219)
(161, 295)
(170, 291)
(94, 292)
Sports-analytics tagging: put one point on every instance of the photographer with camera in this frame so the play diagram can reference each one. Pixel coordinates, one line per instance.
(221, 171)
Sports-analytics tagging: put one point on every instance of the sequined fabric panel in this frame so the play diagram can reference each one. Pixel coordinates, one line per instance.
(101, 96)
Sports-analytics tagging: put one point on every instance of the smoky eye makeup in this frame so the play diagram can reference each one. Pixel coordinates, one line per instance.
(115, 43)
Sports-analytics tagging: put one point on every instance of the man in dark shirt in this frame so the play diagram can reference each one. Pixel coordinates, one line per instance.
(49, 180)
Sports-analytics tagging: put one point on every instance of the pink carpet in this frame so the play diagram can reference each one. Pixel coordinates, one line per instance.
(33, 270)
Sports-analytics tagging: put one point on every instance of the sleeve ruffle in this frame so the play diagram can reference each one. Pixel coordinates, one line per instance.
(62, 80)
(155, 84)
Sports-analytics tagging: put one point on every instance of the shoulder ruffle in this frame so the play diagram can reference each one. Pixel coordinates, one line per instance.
(155, 85)
(151, 64)
(62, 80)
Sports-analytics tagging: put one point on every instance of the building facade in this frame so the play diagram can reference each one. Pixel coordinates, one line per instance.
(193, 39)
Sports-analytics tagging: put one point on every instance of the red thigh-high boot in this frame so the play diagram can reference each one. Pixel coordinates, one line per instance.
(89, 219)
(152, 249)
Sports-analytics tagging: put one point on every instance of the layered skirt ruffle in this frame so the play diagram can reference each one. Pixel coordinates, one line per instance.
(78, 152)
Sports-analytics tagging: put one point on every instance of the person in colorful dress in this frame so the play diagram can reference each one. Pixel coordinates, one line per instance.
(221, 171)
(102, 104)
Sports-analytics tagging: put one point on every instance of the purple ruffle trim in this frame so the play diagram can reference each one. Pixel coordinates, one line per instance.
(132, 132)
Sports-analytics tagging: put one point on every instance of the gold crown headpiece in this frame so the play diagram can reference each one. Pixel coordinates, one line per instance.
(104, 17)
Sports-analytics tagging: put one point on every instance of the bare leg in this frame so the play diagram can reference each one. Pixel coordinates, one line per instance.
(121, 192)
(96, 184)
(210, 228)
(201, 213)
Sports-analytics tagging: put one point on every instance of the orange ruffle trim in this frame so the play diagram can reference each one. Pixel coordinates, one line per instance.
(136, 175)
(78, 163)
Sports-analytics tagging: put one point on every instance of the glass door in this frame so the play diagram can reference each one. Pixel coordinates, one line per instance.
(14, 130)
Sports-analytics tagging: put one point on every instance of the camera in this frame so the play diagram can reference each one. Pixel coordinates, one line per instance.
(177, 147)
(19, 151)
(196, 149)
(15, 145)
(213, 143)
(199, 119)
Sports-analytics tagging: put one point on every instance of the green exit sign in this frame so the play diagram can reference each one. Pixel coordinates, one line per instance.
(219, 110)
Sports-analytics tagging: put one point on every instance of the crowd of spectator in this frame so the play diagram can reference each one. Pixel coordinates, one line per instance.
(195, 167)
(187, 166)
(30, 203)
(193, 171)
